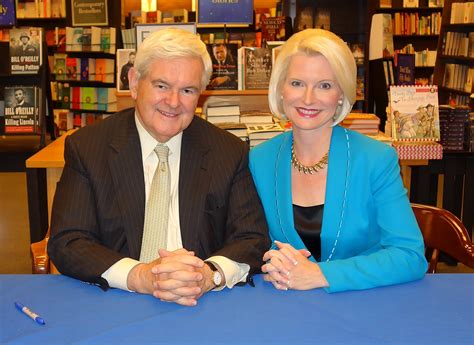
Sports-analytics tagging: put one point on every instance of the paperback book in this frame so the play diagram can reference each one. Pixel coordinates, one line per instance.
(414, 113)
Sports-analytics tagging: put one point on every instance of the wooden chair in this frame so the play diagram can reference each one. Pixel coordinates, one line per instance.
(443, 232)
(41, 264)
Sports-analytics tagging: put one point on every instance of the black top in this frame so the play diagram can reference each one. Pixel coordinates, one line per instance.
(308, 224)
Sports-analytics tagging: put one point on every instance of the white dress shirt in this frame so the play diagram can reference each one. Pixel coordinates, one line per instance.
(117, 274)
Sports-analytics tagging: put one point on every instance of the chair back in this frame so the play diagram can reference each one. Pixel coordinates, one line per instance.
(443, 232)
(40, 261)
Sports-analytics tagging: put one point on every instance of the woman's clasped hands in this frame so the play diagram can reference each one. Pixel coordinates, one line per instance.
(290, 268)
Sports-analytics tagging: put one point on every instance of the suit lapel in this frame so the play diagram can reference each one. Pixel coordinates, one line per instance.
(336, 187)
(194, 182)
(126, 169)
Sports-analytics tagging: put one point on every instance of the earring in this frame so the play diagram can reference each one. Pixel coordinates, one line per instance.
(340, 102)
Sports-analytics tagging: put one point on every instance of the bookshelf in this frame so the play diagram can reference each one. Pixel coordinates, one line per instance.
(417, 27)
(449, 92)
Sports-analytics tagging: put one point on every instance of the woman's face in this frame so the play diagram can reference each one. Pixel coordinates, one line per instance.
(310, 93)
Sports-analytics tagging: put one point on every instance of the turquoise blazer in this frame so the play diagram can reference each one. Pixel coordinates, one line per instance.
(369, 235)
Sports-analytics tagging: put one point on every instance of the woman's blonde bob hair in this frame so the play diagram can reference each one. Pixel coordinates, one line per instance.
(316, 42)
(172, 43)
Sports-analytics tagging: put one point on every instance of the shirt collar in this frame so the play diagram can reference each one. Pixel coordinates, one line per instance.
(148, 143)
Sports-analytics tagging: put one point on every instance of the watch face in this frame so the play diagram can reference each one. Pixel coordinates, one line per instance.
(217, 278)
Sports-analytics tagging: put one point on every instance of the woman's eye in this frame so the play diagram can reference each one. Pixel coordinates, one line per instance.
(325, 86)
(296, 83)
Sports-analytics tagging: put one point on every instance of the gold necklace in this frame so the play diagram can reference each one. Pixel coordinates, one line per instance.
(320, 165)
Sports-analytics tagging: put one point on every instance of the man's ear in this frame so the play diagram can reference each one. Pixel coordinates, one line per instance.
(133, 82)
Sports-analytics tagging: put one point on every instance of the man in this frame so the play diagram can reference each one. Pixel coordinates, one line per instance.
(224, 74)
(25, 47)
(20, 98)
(101, 210)
(124, 71)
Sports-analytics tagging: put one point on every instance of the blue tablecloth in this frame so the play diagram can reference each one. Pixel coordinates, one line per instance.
(435, 310)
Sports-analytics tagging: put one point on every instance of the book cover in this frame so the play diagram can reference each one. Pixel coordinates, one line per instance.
(304, 18)
(225, 12)
(405, 69)
(125, 61)
(21, 109)
(7, 13)
(275, 29)
(381, 37)
(414, 113)
(260, 15)
(322, 19)
(26, 50)
(385, 3)
(264, 131)
(358, 52)
(224, 66)
(256, 68)
(60, 66)
(435, 3)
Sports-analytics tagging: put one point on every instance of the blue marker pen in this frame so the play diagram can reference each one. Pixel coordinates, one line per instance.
(29, 313)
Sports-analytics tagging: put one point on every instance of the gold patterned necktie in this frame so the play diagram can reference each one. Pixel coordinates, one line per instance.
(155, 232)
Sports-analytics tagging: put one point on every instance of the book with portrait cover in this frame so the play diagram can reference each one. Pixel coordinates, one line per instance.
(414, 113)
(22, 109)
(26, 50)
(255, 68)
(224, 66)
(276, 28)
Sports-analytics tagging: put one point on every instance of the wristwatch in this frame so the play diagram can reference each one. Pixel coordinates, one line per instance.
(216, 275)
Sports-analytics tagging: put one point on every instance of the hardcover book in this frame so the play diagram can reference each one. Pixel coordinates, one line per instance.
(414, 113)
(224, 66)
(22, 109)
(256, 68)
(26, 50)
(276, 29)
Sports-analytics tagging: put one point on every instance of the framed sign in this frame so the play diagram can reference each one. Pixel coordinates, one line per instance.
(230, 13)
(89, 12)
(143, 30)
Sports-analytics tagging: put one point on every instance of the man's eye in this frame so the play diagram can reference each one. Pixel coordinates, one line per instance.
(189, 91)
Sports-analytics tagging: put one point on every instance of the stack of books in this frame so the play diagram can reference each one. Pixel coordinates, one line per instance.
(260, 133)
(454, 123)
(223, 114)
(362, 122)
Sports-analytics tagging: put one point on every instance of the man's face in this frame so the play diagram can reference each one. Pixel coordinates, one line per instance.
(19, 96)
(167, 96)
(131, 59)
(220, 53)
(24, 40)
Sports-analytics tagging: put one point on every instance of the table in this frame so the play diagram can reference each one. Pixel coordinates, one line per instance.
(435, 310)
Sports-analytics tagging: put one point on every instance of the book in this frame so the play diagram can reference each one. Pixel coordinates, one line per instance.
(414, 113)
(26, 50)
(256, 68)
(260, 15)
(262, 132)
(358, 53)
(322, 19)
(224, 66)
(436, 3)
(22, 109)
(304, 18)
(385, 3)
(7, 13)
(237, 129)
(224, 110)
(405, 69)
(410, 3)
(255, 117)
(276, 29)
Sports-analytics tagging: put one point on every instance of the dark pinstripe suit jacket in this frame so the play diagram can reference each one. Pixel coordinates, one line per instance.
(99, 205)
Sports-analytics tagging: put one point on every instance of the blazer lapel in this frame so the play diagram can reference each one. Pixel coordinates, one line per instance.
(336, 187)
(126, 169)
(194, 182)
(283, 198)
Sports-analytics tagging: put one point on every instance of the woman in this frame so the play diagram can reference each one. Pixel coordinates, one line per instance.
(335, 204)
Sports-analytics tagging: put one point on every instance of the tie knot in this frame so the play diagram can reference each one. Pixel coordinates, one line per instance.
(162, 152)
